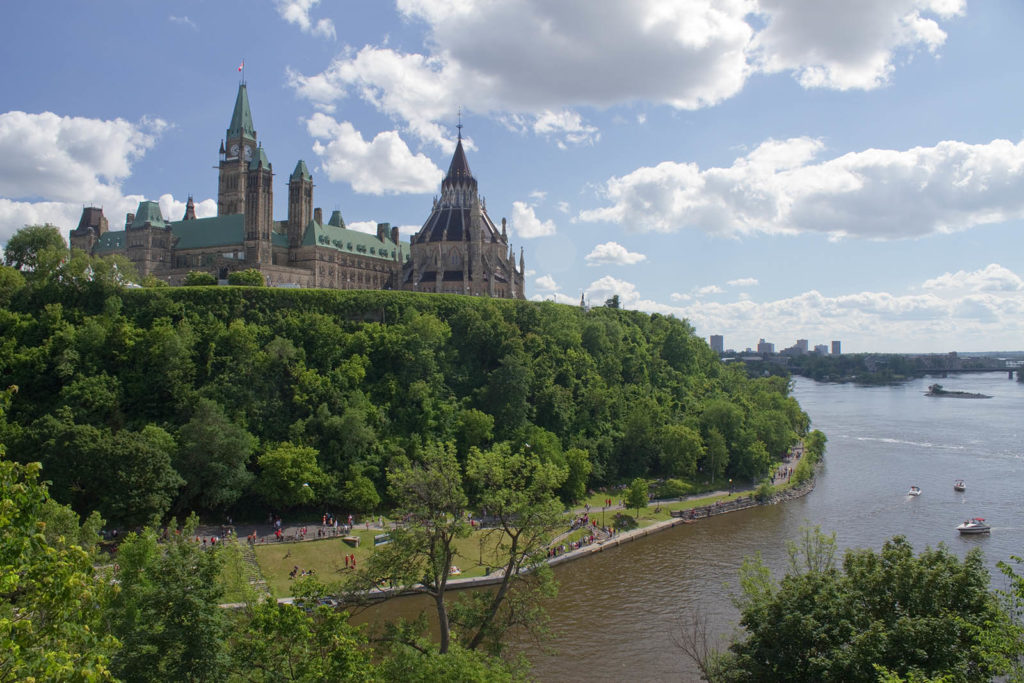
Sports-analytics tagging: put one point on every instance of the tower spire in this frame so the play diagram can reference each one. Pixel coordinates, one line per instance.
(241, 116)
(459, 126)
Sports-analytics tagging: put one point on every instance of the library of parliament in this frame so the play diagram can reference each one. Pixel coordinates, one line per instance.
(459, 250)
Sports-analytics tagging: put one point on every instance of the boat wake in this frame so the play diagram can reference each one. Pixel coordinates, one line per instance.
(919, 444)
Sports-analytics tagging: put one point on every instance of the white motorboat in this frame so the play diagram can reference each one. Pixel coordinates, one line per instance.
(959, 485)
(914, 491)
(974, 525)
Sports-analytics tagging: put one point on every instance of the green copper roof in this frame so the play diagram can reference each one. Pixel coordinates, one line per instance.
(353, 242)
(260, 157)
(109, 243)
(301, 172)
(336, 220)
(241, 117)
(209, 232)
(148, 212)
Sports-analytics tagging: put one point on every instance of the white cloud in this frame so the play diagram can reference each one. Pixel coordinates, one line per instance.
(384, 165)
(50, 166)
(742, 282)
(297, 12)
(708, 289)
(563, 207)
(184, 21)
(676, 296)
(567, 126)
(64, 158)
(613, 253)
(779, 188)
(546, 282)
(843, 45)
(992, 278)
(538, 195)
(970, 310)
(525, 223)
(687, 54)
(174, 209)
(979, 317)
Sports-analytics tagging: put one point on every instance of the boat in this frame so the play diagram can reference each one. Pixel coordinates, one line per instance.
(975, 525)
(959, 485)
(914, 491)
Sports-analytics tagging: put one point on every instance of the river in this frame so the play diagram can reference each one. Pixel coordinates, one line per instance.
(617, 612)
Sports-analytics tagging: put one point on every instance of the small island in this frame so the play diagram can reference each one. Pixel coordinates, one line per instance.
(937, 390)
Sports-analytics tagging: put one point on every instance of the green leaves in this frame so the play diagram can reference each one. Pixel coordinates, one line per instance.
(917, 616)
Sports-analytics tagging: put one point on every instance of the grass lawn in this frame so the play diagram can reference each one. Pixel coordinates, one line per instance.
(475, 554)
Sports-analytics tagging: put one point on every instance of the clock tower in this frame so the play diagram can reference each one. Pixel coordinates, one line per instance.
(236, 153)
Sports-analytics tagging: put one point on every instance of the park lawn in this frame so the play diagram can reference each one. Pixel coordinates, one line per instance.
(324, 556)
(475, 553)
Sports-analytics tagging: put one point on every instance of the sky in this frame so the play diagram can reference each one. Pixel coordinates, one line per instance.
(777, 169)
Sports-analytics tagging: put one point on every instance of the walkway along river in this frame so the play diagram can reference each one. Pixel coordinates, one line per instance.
(616, 611)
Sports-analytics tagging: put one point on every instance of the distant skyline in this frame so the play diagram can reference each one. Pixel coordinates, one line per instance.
(845, 170)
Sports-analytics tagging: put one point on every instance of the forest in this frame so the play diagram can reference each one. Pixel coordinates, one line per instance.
(145, 402)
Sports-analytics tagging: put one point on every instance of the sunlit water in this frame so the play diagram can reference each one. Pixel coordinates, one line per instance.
(618, 612)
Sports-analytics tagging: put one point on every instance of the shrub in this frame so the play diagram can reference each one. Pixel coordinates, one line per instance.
(674, 488)
(248, 278)
(198, 279)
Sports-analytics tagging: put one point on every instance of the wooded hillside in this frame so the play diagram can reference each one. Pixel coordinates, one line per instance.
(154, 401)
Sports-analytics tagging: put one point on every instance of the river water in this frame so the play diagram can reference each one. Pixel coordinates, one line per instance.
(617, 612)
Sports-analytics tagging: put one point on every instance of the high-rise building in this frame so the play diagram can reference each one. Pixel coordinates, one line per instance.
(765, 347)
(836, 348)
(801, 346)
(717, 342)
(821, 349)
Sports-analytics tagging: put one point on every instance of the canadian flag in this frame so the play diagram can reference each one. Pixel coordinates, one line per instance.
(242, 65)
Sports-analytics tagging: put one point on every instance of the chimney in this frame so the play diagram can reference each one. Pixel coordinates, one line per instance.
(318, 215)
(394, 234)
(382, 231)
(128, 220)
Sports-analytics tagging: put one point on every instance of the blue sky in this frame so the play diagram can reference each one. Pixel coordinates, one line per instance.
(778, 169)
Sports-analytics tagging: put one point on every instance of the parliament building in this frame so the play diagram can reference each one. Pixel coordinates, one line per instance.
(459, 250)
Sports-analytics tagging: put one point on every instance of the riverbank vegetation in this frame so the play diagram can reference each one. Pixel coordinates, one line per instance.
(889, 616)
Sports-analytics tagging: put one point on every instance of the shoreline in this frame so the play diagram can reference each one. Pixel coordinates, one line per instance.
(698, 513)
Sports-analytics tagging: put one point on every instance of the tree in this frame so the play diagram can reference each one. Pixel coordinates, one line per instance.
(249, 278)
(213, 454)
(306, 641)
(166, 612)
(637, 494)
(579, 467)
(196, 278)
(37, 249)
(11, 281)
(613, 302)
(716, 456)
(518, 492)
(916, 616)
(49, 625)
(360, 494)
(431, 501)
(289, 475)
(681, 449)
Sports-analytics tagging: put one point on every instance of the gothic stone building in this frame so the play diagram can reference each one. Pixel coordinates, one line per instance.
(458, 250)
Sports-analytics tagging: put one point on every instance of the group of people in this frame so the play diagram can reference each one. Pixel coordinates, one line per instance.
(296, 572)
(350, 561)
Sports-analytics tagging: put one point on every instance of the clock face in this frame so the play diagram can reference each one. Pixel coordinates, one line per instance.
(248, 153)
(234, 150)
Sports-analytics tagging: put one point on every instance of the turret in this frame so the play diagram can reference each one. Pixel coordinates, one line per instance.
(300, 203)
